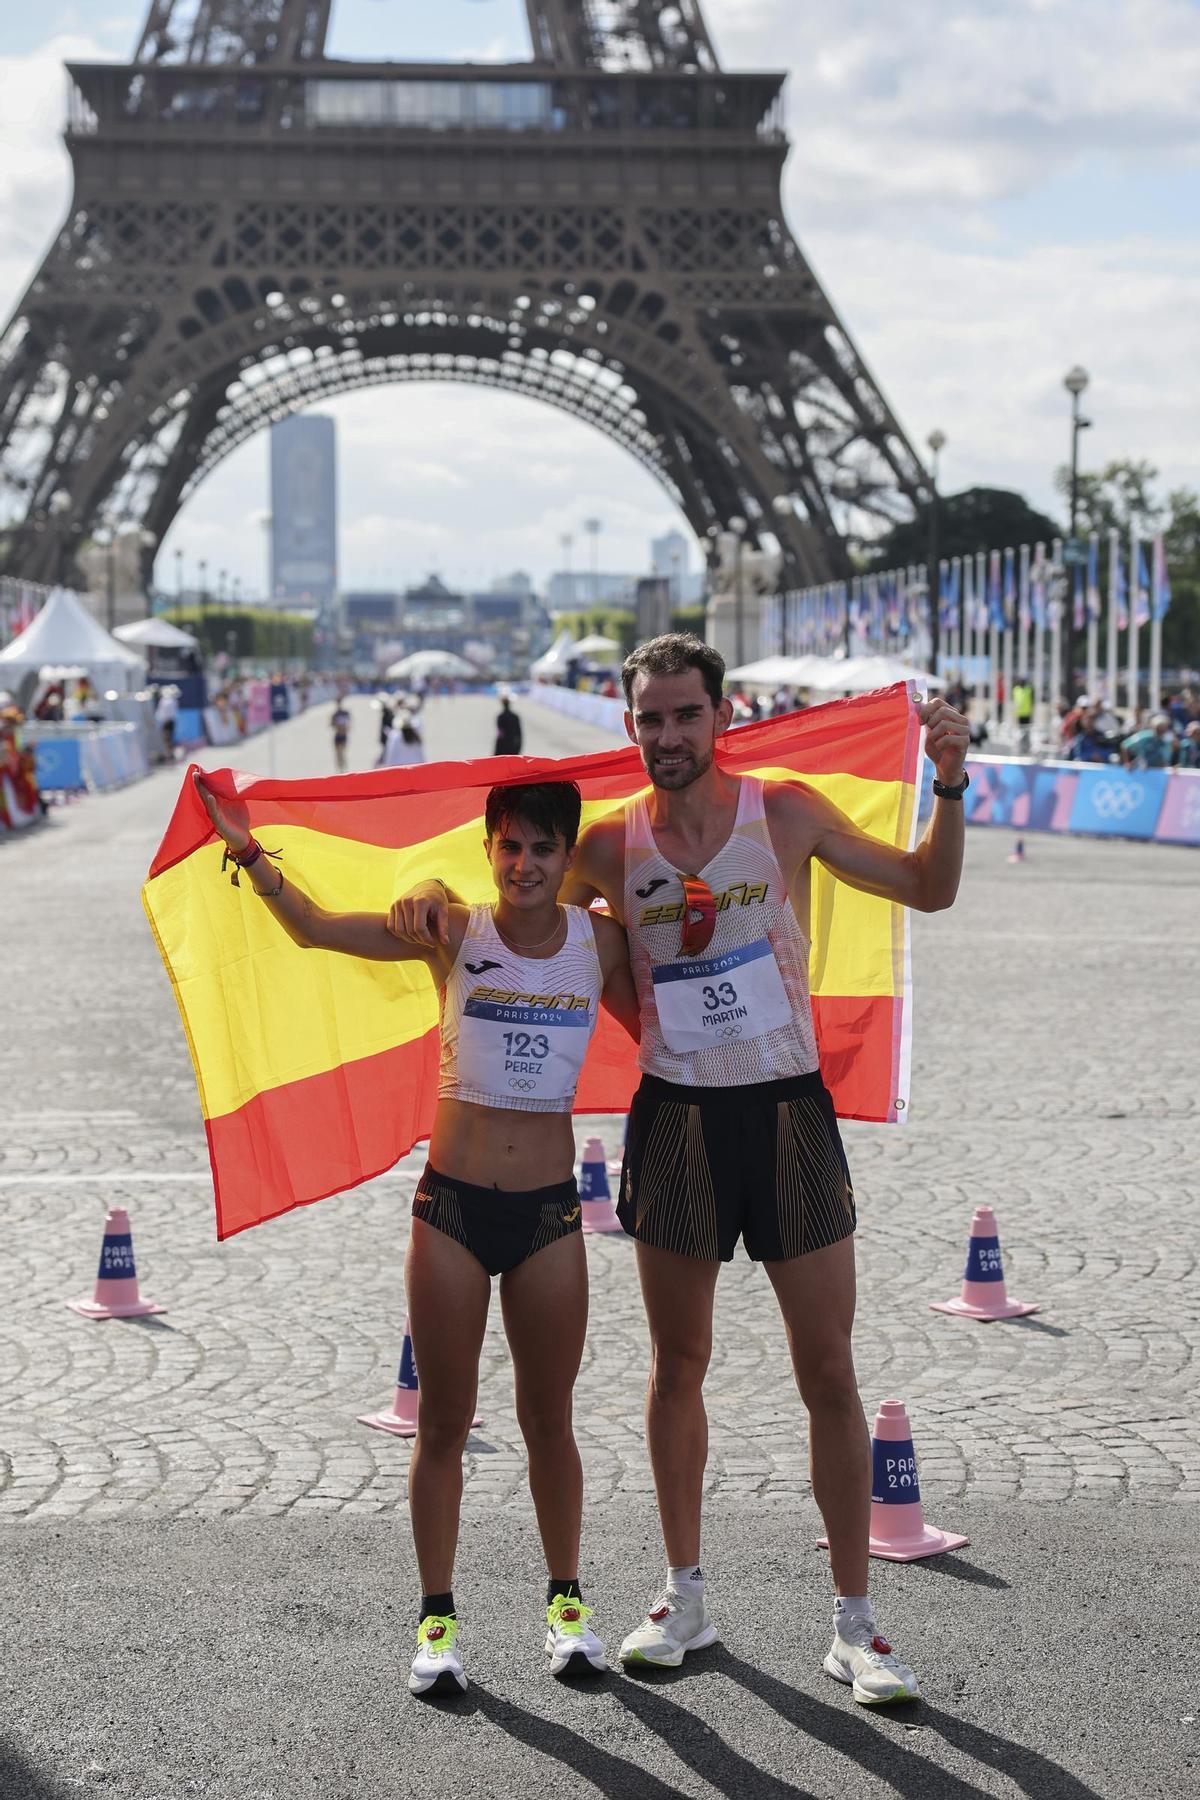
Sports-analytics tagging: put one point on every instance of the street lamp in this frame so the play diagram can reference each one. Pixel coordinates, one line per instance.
(738, 527)
(106, 536)
(178, 579)
(1075, 381)
(845, 485)
(594, 527)
(937, 443)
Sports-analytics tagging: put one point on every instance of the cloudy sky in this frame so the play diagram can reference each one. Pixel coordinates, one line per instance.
(999, 190)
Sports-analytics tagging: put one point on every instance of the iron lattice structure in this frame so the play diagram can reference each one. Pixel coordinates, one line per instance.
(255, 225)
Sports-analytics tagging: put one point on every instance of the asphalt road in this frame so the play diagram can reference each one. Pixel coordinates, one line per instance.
(207, 1584)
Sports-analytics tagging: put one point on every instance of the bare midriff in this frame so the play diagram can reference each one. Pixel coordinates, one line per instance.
(489, 1146)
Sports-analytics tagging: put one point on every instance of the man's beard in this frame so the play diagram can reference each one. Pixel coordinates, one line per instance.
(672, 780)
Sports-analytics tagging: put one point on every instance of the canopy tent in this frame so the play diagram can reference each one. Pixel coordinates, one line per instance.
(156, 634)
(863, 674)
(554, 662)
(780, 671)
(429, 665)
(64, 634)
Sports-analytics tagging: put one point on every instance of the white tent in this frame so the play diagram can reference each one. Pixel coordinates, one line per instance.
(65, 633)
(597, 648)
(554, 663)
(781, 671)
(156, 634)
(862, 674)
(425, 665)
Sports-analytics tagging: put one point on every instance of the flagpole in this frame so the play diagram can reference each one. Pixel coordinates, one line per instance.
(1112, 625)
(1038, 605)
(1023, 614)
(1010, 635)
(1133, 672)
(1056, 602)
(1156, 575)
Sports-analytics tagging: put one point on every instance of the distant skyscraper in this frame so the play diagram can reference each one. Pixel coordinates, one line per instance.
(304, 510)
(670, 554)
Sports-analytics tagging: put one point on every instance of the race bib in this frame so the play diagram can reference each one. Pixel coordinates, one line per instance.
(722, 998)
(528, 1052)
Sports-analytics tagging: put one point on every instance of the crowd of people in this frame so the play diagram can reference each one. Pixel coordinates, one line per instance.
(1092, 731)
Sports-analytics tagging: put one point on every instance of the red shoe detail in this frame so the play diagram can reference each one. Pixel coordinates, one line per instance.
(881, 1644)
(569, 1612)
(435, 1632)
(660, 1614)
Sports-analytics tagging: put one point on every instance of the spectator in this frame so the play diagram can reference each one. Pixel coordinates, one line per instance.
(166, 712)
(509, 736)
(1088, 743)
(1187, 755)
(1151, 748)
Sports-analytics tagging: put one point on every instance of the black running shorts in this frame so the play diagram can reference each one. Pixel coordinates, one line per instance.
(499, 1229)
(705, 1166)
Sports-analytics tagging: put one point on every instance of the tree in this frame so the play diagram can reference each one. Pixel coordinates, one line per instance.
(1181, 541)
(1116, 499)
(977, 519)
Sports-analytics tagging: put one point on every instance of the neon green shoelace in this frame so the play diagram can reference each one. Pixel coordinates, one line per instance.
(567, 1616)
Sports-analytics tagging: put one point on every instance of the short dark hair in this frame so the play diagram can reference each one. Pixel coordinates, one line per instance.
(674, 654)
(552, 807)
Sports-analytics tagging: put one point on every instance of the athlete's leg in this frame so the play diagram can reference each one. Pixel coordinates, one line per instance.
(545, 1302)
(448, 1294)
(816, 1297)
(678, 1295)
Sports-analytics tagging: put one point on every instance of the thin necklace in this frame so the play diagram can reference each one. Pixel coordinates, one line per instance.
(521, 948)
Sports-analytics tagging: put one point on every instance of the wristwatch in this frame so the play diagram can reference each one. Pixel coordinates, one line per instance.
(952, 793)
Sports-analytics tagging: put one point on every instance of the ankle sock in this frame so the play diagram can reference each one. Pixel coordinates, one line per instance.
(440, 1604)
(850, 1609)
(569, 1590)
(686, 1579)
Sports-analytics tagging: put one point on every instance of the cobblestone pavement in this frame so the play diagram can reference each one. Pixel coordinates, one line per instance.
(1051, 1079)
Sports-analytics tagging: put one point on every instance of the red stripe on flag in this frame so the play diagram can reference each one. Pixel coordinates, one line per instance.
(859, 1039)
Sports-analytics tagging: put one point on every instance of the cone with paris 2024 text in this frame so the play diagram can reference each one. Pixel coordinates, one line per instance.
(116, 1294)
(898, 1529)
(595, 1197)
(402, 1420)
(1017, 853)
(983, 1295)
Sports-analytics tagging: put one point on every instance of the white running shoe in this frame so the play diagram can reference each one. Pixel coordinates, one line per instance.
(675, 1624)
(437, 1666)
(571, 1644)
(867, 1663)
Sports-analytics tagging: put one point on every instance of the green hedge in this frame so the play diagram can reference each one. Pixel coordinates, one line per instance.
(248, 634)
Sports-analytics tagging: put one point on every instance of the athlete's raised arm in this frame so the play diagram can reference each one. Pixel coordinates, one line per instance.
(306, 923)
(804, 823)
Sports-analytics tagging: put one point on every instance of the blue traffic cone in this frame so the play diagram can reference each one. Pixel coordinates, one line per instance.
(403, 1419)
(595, 1197)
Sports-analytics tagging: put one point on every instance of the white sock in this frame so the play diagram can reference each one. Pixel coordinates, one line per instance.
(688, 1580)
(852, 1609)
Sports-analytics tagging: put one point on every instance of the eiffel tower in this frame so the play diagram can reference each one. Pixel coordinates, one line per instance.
(256, 226)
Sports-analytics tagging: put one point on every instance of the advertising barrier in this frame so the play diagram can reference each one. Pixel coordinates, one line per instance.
(71, 758)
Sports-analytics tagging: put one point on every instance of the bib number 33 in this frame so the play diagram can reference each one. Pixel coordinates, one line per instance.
(737, 996)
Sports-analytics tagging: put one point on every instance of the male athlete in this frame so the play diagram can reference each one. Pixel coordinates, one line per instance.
(710, 875)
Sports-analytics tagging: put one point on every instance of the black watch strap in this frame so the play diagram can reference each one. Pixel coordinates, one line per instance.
(952, 793)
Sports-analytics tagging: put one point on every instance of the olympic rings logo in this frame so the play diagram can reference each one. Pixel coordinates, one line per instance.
(522, 1085)
(730, 1031)
(1111, 801)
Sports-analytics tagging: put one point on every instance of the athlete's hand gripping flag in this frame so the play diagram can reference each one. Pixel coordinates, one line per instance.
(317, 1071)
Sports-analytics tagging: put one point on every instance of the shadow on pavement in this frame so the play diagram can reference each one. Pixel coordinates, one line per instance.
(957, 1566)
(1031, 1324)
(904, 1770)
(697, 1745)
(612, 1775)
(19, 1780)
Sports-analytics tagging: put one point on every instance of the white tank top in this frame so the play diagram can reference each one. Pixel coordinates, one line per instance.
(514, 1029)
(739, 1012)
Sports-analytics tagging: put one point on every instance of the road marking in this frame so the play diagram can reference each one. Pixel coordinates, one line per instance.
(107, 1175)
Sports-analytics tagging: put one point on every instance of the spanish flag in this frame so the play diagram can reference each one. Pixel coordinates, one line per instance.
(317, 1071)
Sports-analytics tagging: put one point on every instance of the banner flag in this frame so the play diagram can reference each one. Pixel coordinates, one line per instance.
(1010, 584)
(1122, 595)
(1162, 582)
(1141, 598)
(1093, 576)
(1077, 602)
(1037, 586)
(318, 1071)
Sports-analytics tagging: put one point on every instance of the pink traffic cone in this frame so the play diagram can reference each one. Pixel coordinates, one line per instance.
(983, 1295)
(402, 1420)
(116, 1293)
(1017, 854)
(616, 1164)
(898, 1529)
(594, 1195)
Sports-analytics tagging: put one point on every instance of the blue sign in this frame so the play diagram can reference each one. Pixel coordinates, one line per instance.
(58, 764)
(983, 1260)
(116, 1257)
(407, 1378)
(893, 1473)
(1114, 802)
